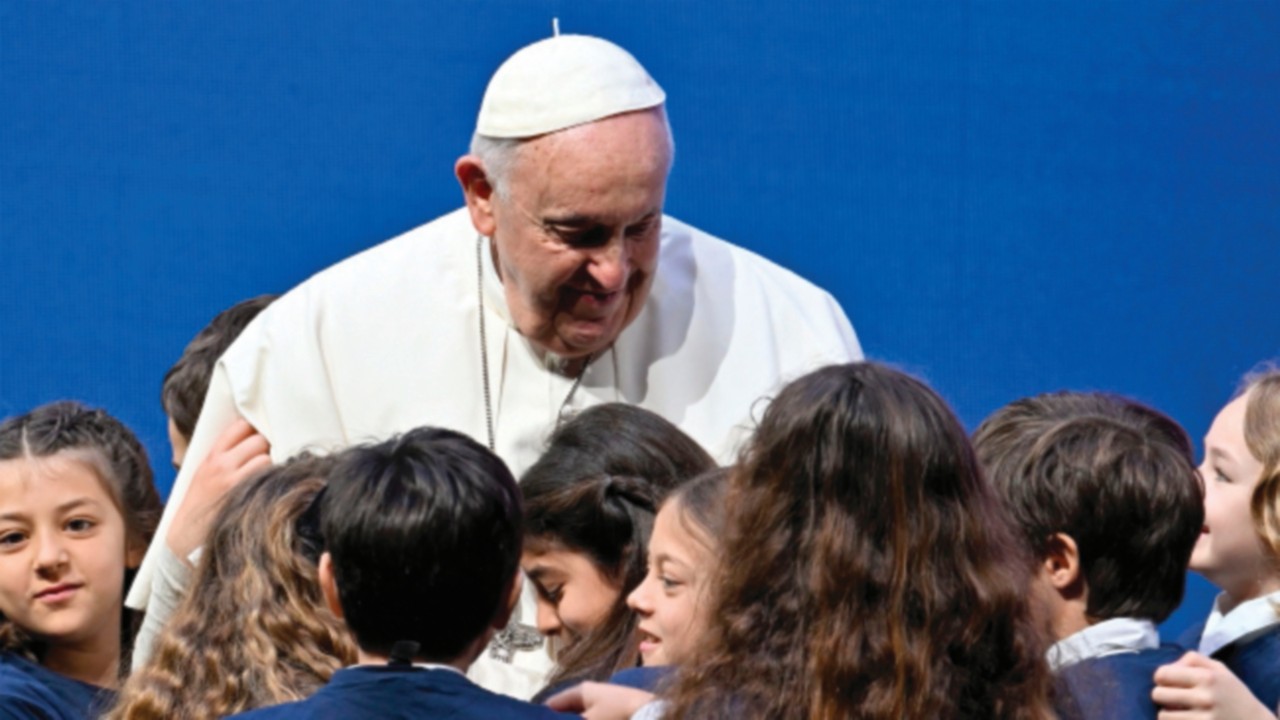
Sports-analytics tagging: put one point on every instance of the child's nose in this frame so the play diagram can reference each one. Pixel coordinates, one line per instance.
(51, 555)
(548, 622)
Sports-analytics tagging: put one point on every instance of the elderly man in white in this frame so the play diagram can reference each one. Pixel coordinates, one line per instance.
(560, 285)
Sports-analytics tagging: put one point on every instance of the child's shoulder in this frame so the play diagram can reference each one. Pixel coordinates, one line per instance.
(30, 691)
(383, 692)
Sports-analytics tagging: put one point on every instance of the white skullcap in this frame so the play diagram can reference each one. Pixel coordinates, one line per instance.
(564, 81)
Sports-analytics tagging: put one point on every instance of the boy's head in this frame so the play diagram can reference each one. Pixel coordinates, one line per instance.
(1106, 494)
(187, 382)
(423, 535)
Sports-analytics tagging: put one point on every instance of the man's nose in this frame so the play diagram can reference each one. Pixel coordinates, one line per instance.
(610, 264)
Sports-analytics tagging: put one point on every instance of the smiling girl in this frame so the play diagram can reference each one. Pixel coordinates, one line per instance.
(77, 509)
(1238, 551)
(671, 600)
(589, 509)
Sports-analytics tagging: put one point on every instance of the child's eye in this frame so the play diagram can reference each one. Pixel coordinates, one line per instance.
(80, 524)
(551, 595)
(11, 538)
(668, 583)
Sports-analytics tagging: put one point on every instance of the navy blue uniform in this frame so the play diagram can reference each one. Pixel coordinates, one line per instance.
(30, 691)
(1113, 687)
(1254, 658)
(642, 678)
(384, 691)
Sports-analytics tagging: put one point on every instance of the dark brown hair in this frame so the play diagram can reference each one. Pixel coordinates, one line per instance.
(1116, 476)
(113, 452)
(595, 491)
(186, 383)
(869, 571)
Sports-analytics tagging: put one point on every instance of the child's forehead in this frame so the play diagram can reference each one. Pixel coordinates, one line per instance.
(37, 482)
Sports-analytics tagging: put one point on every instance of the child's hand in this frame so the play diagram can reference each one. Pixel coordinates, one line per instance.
(238, 453)
(1197, 688)
(600, 701)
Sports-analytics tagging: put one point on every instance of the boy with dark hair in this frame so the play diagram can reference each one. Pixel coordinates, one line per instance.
(187, 382)
(1110, 505)
(422, 535)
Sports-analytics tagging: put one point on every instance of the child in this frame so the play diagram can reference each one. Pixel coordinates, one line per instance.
(1239, 547)
(422, 536)
(238, 453)
(1106, 494)
(254, 630)
(77, 509)
(589, 507)
(187, 382)
(671, 601)
(867, 569)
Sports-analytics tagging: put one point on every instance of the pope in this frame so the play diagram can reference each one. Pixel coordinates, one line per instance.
(561, 284)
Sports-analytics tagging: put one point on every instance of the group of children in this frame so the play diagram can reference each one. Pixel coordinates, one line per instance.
(864, 557)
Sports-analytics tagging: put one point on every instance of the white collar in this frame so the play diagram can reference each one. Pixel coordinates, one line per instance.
(1109, 637)
(1244, 619)
(420, 666)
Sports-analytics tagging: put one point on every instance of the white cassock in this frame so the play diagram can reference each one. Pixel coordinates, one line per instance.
(389, 340)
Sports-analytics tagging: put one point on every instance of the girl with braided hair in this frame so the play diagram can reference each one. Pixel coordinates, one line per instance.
(77, 510)
(590, 502)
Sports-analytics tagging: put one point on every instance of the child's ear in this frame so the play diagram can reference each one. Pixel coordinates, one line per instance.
(329, 586)
(513, 599)
(1061, 564)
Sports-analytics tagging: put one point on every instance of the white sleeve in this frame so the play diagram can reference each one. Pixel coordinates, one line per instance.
(168, 588)
(216, 416)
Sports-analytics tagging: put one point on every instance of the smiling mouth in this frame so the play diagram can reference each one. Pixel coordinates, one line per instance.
(648, 641)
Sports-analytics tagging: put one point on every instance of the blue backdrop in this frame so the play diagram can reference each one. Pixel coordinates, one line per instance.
(1007, 197)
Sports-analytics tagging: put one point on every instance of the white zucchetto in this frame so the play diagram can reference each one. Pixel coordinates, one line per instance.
(564, 81)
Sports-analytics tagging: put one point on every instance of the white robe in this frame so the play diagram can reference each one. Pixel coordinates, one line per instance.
(389, 340)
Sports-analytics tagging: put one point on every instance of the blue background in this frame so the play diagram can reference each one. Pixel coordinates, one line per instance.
(1007, 197)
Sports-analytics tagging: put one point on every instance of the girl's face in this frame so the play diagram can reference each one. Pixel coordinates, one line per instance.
(1229, 552)
(670, 600)
(62, 551)
(574, 597)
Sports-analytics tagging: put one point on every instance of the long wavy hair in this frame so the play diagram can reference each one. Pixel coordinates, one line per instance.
(254, 630)
(868, 569)
(104, 444)
(595, 491)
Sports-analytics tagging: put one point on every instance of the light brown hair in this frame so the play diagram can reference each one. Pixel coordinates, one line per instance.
(1262, 436)
(254, 631)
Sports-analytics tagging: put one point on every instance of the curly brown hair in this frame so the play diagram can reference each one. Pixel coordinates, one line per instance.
(254, 631)
(868, 569)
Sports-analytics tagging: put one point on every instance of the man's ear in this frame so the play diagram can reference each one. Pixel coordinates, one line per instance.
(478, 192)
(329, 587)
(1061, 563)
(503, 615)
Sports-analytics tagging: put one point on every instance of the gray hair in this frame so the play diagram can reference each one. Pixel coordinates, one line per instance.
(498, 155)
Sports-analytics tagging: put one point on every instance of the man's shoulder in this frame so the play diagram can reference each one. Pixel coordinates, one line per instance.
(737, 286)
(424, 247)
(708, 248)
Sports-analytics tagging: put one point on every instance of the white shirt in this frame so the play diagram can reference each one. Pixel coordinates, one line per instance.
(388, 340)
(1246, 619)
(1109, 637)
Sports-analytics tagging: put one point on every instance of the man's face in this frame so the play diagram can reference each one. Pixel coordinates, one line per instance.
(575, 235)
